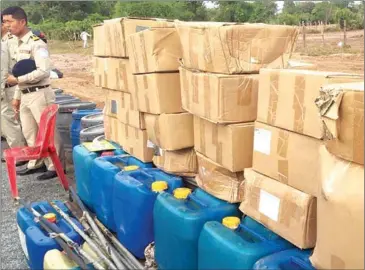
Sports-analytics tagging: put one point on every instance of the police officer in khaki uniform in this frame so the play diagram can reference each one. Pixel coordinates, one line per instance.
(33, 93)
(10, 127)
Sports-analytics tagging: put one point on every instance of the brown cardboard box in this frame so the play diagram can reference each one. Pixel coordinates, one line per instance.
(219, 182)
(110, 37)
(134, 142)
(120, 105)
(154, 50)
(170, 131)
(289, 157)
(113, 73)
(158, 93)
(111, 128)
(340, 223)
(235, 48)
(218, 97)
(228, 145)
(181, 162)
(287, 98)
(286, 211)
(342, 110)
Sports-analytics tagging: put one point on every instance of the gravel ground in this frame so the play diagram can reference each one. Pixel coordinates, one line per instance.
(30, 190)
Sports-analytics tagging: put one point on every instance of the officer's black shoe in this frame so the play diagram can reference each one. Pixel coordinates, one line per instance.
(21, 163)
(47, 175)
(27, 171)
(3, 160)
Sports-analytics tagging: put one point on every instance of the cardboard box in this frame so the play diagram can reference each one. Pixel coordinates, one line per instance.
(181, 162)
(158, 93)
(286, 211)
(235, 48)
(154, 50)
(287, 98)
(342, 110)
(340, 223)
(288, 157)
(110, 37)
(219, 182)
(134, 142)
(111, 128)
(113, 73)
(120, 105)
(218, 97)
(170, 131)
(228, 145)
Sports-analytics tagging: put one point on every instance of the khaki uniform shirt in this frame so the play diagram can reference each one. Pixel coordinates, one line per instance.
(32, 47)
(12, 42)
(4, 64)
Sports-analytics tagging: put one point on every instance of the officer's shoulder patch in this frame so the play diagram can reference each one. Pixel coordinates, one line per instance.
(35, 38)
(10, 36)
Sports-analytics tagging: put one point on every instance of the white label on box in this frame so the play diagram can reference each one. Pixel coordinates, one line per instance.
(262, 141)
(150, 144)
(269, 205)
(22, 242)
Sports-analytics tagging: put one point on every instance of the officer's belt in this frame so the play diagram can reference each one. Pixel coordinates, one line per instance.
(33, 89)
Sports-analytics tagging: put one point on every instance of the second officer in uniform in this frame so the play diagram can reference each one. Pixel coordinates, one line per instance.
(33, 93)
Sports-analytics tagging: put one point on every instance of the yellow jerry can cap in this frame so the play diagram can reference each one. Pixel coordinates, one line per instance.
(182, 193)
(231, 222)
(158, 186)
(51, 217)
(130, 168)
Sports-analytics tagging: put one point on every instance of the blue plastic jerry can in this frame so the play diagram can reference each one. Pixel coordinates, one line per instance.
(178, 221)
(292, 259)
(103, 171)
(236, 244)
(83, 158)
(135, 193)
(35, 241)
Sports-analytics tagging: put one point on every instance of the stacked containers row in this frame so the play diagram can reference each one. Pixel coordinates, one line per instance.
(154, 64)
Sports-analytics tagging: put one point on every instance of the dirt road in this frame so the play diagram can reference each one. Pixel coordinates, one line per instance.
(78, 77)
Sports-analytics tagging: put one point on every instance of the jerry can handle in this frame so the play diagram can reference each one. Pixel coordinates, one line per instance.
(194, 198)
(43, 209)
(255, 234)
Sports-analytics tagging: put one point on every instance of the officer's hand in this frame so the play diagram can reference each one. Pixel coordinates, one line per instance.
(12, 80)
(16, 105)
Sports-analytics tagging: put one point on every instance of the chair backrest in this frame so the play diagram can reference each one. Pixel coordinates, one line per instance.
(47, 124)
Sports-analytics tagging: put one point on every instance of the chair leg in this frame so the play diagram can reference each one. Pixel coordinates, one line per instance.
(59, 169)
(10, 164)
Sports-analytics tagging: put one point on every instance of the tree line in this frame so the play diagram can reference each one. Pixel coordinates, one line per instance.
(64, 20)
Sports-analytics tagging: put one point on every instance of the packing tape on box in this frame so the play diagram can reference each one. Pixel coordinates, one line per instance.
(201, 133)
(132, 41)
(143, 50)
(195, 89)
(282, 151)
(207, 97)
(136, 91)
(273, 99)
(185, 86)
(217, 143)
(193, 56)
(298, 104)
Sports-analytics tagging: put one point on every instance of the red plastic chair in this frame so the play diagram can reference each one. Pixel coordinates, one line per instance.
(44, 147)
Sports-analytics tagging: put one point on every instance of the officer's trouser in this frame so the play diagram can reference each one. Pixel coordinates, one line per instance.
(31, 108)
(10, 127)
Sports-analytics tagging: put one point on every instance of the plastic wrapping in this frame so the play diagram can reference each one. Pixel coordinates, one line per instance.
(218, 97)
(219, 182)
(340, 226)
(342, 109)
(286, 211)
(144, 45)
(181, 162)
(235, 48)
(170, 131)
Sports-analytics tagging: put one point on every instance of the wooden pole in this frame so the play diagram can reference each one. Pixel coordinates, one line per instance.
(322, 32)
(344, 34)
(303, 31)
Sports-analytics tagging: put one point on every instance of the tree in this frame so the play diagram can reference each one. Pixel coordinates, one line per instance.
(233, 11)
(263, 11)
(305, 7)
(323, 11)
(289, 7)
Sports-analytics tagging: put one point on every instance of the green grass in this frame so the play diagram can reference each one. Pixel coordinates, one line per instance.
(61, 47)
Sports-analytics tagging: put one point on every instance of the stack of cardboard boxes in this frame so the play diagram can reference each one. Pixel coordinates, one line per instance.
(218, 90)
(282, 186)
(340, 205)
(154, 64)
(123, 122)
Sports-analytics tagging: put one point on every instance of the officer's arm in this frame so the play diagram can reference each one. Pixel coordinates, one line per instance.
(43, 64)
(4, 63)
